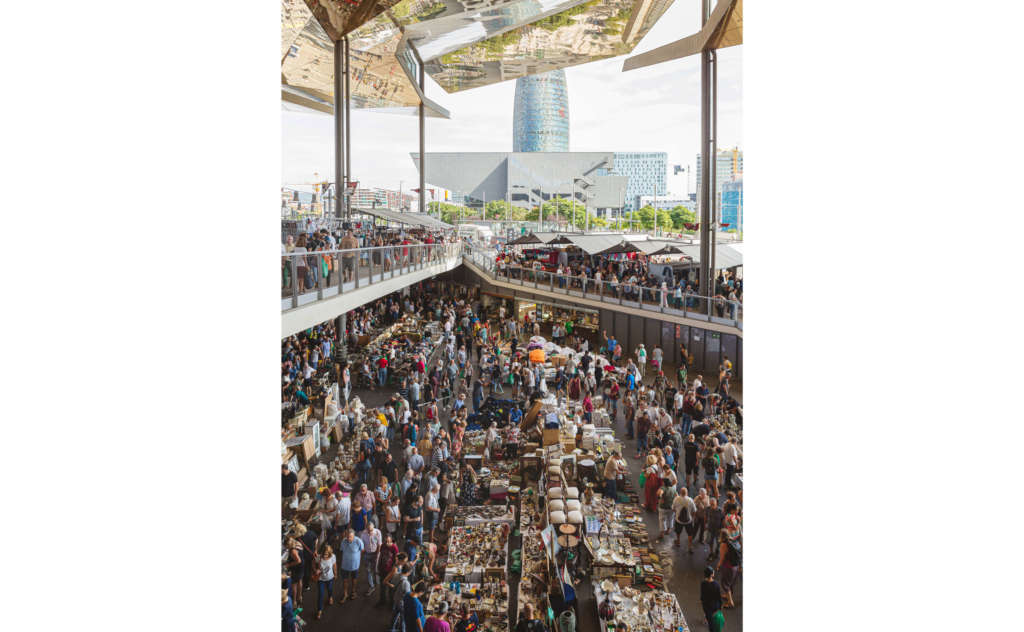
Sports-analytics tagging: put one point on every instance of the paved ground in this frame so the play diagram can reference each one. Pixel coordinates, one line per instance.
(684, 570)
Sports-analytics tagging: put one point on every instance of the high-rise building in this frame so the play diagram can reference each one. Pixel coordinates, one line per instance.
(540, 119)
(646, 171)
(732, 205)
(541, 124)
(728, 167)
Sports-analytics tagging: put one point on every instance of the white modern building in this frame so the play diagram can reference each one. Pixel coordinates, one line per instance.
(647, 172)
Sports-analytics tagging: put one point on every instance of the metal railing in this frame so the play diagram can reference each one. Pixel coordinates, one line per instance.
(312, 276)
(711, 309)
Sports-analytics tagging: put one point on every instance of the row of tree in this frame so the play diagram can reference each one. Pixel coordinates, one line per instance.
(566, 213)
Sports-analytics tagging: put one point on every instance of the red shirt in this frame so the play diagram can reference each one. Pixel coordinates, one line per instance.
(382, 363)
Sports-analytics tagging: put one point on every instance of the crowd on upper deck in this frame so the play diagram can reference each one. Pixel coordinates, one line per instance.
(317, 241)
(629, 275)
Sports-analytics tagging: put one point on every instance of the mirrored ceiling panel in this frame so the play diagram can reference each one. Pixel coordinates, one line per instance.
(339, 17)
(476, 21)
(307, 67)
(597, 29)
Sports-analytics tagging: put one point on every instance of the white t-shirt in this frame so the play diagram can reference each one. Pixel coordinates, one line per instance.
(344, 513)
(327, 568)
(731, 452)
(679, 503)
(395, 513)
(431, 501)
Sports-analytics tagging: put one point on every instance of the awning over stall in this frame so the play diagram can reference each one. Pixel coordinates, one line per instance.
(660, 247)
(408, 219)
(725, 256)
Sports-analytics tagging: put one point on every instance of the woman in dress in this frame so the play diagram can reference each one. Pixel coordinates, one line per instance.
(652, 484)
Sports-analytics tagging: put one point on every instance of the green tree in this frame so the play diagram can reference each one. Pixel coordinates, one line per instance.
(450, 213)
(682, 216)
(497, 209)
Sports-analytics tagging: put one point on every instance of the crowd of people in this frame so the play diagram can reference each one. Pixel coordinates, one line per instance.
(386, 523)
(316, 242)
(629, 276)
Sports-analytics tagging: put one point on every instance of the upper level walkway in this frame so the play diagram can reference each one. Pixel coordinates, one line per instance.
(354, 277)
(717, 314)
(322, 285)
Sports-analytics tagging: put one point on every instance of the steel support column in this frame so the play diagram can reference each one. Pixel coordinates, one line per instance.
(716, 209)
(423, 141)
(348, 127)
(339, 133)
(707, 152)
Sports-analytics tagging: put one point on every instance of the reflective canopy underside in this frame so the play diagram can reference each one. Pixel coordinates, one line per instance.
(463, 43)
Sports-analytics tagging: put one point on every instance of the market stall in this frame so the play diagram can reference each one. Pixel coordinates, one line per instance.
(477, 551)
(489, 600)
(639, 610)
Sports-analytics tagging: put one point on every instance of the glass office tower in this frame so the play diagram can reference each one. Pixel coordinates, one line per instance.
(540, 121)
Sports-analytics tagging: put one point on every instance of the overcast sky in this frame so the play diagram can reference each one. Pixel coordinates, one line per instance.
(650, 109)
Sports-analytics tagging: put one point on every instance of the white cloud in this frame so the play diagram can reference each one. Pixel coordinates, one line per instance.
(649, 109)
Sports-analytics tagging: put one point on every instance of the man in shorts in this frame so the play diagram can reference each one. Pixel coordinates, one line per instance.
(348, 259)
(351, 554)
(685, 512)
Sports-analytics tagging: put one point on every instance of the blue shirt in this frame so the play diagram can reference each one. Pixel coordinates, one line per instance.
(350, 554)
(611, 345)
(359, 521)
(412, 608)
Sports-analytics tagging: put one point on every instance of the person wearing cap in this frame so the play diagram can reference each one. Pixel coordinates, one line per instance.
(438, 621)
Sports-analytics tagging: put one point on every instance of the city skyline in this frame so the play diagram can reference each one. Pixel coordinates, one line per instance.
(650, 109)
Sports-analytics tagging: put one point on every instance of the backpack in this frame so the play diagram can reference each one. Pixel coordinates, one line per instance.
(684, 515)
(667, 497)
(734, 554)
(710, 466)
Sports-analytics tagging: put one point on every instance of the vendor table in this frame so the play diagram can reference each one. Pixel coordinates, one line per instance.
(489, 601)
(475, 550)
(469, 515)
(641, 611)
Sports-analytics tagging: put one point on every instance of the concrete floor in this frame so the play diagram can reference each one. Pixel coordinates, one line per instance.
(683, 570)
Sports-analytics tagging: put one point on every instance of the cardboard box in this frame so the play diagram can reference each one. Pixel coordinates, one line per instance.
(530, 418)
(308, 448)
(551, 436)
(558, 360)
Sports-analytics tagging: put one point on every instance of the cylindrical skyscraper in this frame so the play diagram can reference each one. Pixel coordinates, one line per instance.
(540, 121)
